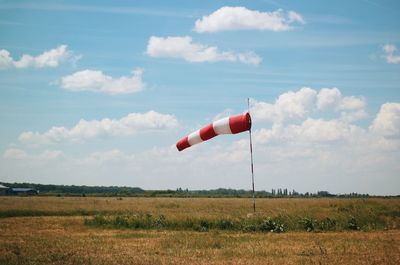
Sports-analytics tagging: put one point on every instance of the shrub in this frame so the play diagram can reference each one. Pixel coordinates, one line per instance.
(309, 224)
(121, 221)
(352, 224)
(160, 222)
(269, 225)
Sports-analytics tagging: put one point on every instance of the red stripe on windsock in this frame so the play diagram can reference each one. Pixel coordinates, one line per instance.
(183, 144)
(240, 123)
(237, 124)
(207, 132)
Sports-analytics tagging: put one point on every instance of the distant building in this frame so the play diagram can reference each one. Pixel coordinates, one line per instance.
(23, 191)
(4, 190)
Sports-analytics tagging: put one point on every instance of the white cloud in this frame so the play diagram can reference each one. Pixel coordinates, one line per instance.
(328, 98)
(297, 105)
(97, 81)
(351, 116)
(50, 58)
(295, 17)
(332, 99)
(387, 121)
(310, 130)
(241, 18)
(19, 154)
(289, 105)
(113, 155)
(390, 57)
(83, 130)
(352, 103)
(319, 130)
(326, 118)
(316, 130)
(50, 155)
(15, 153)
(184, 48)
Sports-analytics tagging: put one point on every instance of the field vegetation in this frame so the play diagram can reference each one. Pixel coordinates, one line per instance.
(115, 230)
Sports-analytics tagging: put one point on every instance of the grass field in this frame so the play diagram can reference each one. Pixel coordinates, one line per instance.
(57, 230)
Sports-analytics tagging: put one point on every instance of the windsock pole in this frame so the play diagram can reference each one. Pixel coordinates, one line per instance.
(251, 159)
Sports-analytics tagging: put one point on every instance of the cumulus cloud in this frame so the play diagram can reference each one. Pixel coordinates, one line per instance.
(390, 57)
(331, 98)
(84, 130)
(352, 116)
(19, 154)
(184, 48)
(297, 105)
(316, 130)
(289, 105)
(97, 81)
(387, 121)
(328, 98)
(240, 18)
(15, 153)
(50, 58)
(310, 130)
(109, 156)
(310, 116)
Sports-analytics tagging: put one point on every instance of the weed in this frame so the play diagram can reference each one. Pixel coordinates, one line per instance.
(327, 224)
(352, 224)
(249, 228)
(224, 224)
(269, 225)
(309, 224)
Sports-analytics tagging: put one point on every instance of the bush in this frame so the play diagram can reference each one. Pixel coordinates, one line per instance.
(269, 225)
(352, 224)
(309, 224)
(160, 222)
(121, 221)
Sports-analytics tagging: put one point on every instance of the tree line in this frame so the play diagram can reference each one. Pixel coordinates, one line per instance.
(82, 190)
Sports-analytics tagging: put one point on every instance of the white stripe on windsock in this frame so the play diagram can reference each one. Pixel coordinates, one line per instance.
(222, 126)
(194, 138)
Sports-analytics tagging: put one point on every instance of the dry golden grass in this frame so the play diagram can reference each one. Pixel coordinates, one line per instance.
(66, 240)
(204, 207)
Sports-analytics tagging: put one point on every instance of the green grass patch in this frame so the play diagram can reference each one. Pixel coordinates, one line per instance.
(148, 221)
(245, 224)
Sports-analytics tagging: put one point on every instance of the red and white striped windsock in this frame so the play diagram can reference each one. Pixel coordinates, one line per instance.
(229, 125)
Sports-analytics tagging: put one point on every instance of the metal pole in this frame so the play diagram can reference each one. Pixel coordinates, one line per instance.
(251, 156)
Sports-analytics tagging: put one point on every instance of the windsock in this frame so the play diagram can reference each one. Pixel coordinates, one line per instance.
(229, 125)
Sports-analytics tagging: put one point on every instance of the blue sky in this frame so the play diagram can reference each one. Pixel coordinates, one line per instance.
(323, 78)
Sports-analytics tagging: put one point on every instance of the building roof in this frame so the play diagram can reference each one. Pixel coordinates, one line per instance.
(22, 189)
(3, 187)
